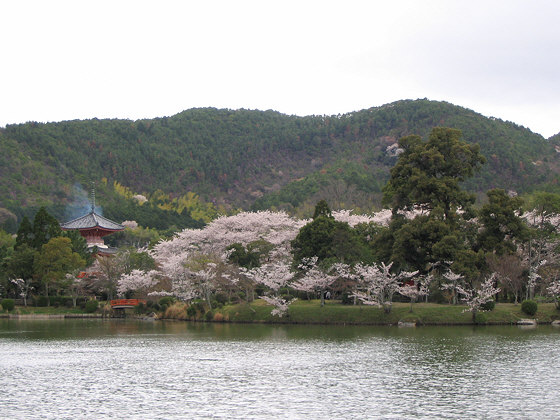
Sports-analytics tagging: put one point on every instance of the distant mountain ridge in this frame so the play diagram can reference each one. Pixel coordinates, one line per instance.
(256, 159)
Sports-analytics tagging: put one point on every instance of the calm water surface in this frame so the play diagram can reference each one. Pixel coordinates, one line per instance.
(67, 369)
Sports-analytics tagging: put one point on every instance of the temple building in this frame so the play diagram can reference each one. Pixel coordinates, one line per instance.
(93, 228)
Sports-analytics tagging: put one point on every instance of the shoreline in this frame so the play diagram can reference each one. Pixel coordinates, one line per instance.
(52, 316)
(333, 313)
(522, 323)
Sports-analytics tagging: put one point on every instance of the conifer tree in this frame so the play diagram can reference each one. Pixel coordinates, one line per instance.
(45, 227)
(25, 233)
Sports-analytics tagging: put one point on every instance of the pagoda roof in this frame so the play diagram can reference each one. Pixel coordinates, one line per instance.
(92, 220)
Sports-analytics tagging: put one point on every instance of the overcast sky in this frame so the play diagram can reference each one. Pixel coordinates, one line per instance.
(77, 59)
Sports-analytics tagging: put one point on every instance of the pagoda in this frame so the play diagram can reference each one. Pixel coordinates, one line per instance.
(93, 227)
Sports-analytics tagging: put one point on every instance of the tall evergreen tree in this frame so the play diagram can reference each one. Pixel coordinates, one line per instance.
(45, 227)
(427, 176)
(25, 233)
(502, 226)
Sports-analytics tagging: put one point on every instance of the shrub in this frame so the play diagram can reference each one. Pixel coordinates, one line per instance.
(81, 301)
(287, 297)
(8, 304)
(191, 311)
(221, 298)
(488, 306)
(91, 306)
(140, 308)
(346, 298)
(167, 301)
(529, 307)
(54, 301)
(176, 311)
(41, 301)
(209, 316)
(480, 318)
(218, 317)
(216, 304)
(199, 306)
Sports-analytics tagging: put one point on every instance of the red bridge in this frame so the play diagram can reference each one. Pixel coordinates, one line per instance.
(126, 303)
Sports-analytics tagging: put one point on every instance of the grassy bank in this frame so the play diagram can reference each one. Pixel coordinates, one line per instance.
(45, 310)
(310, 312)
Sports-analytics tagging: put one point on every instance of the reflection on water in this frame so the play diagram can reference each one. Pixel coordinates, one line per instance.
(99, 369)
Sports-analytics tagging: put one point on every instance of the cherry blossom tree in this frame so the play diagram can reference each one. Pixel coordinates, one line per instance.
(137, 281)
(553, 290)
(416, 288)
(275, 227)
(452, 283)
(544, 221)
(24, 287)
(476, 298)
(532, 281)
(75, 285)
(203, 281)
(174, 256)
(281, 305)
(191, 276)
(377, 284)
(315, 278)
(346, 216)
(274, 276)
(107, 271)
(174, 269)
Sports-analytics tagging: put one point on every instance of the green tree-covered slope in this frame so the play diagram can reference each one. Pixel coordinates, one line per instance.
(254, 159)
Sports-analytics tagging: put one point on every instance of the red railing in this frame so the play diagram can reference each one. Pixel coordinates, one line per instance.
(127, 302)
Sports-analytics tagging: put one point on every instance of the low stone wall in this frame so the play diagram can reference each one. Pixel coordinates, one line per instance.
(50, 316)
(36, 316)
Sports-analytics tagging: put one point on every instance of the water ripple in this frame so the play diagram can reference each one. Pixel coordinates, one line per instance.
(256, 372)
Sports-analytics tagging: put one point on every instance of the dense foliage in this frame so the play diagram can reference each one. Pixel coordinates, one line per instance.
(529, 307)
(432, 242)
(239, 159)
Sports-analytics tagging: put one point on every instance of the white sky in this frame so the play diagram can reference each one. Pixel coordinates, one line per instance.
(78, 59)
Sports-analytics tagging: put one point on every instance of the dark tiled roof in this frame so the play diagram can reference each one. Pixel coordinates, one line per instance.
(92, 220)
(106, 250)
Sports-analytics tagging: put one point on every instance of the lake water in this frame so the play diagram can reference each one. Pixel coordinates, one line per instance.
(68, 369)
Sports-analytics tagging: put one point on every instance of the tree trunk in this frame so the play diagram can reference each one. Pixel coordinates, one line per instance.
(207, 296)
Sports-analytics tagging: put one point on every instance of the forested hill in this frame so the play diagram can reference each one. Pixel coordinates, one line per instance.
(254, 159)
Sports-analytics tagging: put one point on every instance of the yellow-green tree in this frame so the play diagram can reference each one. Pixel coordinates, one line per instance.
(55, 260)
